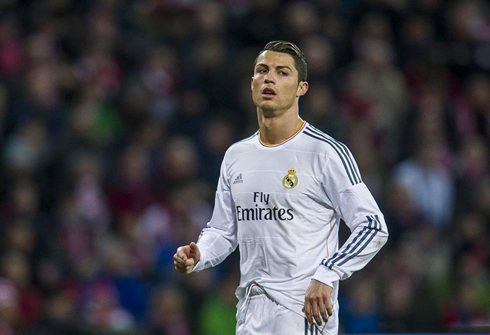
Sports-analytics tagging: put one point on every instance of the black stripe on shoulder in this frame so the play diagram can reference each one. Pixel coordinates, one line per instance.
(348, 169)
(345, 151)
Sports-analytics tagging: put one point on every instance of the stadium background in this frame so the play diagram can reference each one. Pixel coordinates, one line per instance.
(114, 117)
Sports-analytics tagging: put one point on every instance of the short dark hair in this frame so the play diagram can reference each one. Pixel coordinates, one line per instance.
(290, 49)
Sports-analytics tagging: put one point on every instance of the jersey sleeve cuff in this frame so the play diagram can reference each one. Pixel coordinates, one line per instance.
(326, 276)
(199, 266)
(202, 261)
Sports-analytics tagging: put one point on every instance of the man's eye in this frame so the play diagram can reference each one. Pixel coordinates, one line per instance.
(261, 71)
(283, 73)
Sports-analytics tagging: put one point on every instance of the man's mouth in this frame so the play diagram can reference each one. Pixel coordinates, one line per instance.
(268, 92)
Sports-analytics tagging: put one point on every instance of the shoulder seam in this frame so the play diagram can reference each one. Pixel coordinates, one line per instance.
(244, 140)
(250, 137)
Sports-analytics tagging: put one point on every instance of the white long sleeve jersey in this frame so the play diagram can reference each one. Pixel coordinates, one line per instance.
(282, 205)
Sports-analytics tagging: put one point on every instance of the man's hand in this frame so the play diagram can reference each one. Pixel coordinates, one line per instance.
(186, 258)
(318, 305)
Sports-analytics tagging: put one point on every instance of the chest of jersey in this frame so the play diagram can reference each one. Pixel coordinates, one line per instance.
(280, 206)
(280, 185)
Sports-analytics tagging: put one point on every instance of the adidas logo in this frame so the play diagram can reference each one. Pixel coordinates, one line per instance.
(238, 179)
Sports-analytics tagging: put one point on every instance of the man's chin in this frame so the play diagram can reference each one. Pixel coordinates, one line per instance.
(268, 105)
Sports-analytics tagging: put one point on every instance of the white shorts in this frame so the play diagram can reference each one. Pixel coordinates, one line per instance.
(262, 315)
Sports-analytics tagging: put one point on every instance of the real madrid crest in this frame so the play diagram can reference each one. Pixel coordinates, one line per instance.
(290, 180)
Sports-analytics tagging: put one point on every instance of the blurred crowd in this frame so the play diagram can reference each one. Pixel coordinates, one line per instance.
(115, 115)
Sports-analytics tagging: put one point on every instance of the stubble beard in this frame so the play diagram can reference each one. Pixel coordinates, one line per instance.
(269, 111)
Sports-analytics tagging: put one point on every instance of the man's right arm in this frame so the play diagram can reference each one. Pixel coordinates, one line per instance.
(219, 238)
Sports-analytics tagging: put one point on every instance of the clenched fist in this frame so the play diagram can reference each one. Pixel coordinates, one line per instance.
(186, 258)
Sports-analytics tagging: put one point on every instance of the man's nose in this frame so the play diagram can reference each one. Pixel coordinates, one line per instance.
(269, 78)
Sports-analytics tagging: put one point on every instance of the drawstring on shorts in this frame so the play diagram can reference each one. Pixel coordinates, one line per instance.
(251, 291)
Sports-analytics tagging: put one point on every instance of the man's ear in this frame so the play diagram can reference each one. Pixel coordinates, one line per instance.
(302, 88)
(252, 84)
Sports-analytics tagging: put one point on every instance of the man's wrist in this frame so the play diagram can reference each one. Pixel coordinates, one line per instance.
(199, 266)
(326, 276)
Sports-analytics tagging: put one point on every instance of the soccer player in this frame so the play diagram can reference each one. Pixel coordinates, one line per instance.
(281, 196)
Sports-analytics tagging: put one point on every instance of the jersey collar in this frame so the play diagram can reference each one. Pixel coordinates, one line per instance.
(285, 141)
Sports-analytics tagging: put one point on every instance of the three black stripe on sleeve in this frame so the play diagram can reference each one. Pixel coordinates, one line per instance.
(357, 245)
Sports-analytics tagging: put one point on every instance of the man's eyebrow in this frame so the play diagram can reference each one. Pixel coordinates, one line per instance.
(279, 67)
(283, 67)
(263, 65)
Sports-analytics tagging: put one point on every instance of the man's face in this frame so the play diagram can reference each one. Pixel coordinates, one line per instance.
(275, 87)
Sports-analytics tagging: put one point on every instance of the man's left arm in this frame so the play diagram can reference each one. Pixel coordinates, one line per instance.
(355, 204)
(368, 234)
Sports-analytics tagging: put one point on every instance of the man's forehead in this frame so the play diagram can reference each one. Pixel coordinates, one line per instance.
(274, 58)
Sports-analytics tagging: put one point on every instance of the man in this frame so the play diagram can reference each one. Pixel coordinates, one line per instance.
(281, 196)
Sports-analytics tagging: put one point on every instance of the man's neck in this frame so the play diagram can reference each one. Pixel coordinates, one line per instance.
(275, 130)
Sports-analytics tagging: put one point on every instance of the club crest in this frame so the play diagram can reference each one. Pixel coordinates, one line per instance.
(290, 180)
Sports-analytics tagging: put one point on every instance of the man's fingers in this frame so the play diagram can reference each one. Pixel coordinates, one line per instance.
(315, 311)
(326, 310)
(180, 260)
(177, 258)
(330, 309)
(183, 270)
(318, 305)
(318, 309)
(307, 310)
(184, 260)
(179, 267)
(323, 312)
(189, 262)
(312, 310)
(183, 267)
(183, 253)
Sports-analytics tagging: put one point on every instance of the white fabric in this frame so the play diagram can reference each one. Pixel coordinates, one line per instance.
(262, 315)
(289, 235)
